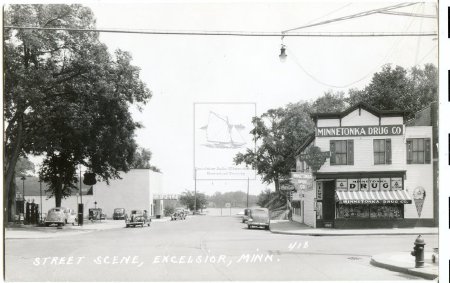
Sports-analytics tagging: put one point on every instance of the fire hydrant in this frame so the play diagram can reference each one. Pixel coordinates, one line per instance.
(419, 251)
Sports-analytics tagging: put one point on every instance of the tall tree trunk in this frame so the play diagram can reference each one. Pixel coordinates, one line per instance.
(277, 184)
(10, 168)
(11, 210)
(58, 194)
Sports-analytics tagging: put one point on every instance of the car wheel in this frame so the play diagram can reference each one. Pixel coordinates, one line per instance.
(126, 225)
(148, 224)
(47, 224)
(249, 226)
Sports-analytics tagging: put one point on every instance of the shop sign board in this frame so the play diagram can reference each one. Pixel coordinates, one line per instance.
(364, 184)
(165, 196)
(358, 131)
(374, 184)
(352, 185)
(396, 184)
(341, 184)
(297, 196)
(19, 196)
(364, 201)
(385, 184)
(367, 184)
(302, 181)
(287, 187)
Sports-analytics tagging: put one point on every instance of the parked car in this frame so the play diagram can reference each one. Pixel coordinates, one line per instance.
(176, 216)
(137, 217)
(96, 214)
(119, 213)
(258, 217)
(56, 216)
(71, 216)
(245, 215)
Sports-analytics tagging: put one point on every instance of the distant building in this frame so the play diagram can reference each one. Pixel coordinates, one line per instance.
(137, 189)
(379, 171)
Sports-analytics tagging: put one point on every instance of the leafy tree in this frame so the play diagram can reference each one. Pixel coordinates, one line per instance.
(399, 89)
(277, 133)
(141, 160)
(187, 198)
(329, 102)
(24, 167)
(272, 200)
(66, 97)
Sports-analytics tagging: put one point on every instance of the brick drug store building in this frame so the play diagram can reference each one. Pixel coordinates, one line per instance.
(370, 170)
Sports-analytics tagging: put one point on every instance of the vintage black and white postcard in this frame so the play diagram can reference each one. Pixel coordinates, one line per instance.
(221, 141)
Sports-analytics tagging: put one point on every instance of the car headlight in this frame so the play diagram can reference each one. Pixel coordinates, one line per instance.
(250, 219)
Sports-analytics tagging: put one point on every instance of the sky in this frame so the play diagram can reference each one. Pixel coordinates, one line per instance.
(184, 70)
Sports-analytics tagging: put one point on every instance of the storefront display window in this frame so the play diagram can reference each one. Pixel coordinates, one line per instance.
(369, 211)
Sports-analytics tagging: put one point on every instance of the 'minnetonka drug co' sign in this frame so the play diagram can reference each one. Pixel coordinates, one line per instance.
(390, 130)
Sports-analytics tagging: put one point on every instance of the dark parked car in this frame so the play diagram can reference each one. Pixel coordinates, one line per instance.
(119, 213)
(96, 214)
(258, 217)
(178, 214)
(137, 217)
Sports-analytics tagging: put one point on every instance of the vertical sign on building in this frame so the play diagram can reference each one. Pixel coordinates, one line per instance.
(319, 190)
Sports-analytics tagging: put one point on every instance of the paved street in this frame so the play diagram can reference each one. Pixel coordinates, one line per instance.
(201, 248)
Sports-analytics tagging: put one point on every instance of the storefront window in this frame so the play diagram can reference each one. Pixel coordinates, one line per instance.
(369, 211)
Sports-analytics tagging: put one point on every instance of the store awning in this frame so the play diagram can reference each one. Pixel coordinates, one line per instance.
(374, 197)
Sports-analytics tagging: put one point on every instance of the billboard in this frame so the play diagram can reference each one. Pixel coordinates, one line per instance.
(222, 130)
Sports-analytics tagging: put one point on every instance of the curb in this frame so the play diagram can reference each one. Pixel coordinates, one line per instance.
(411, 271)
(348, 234)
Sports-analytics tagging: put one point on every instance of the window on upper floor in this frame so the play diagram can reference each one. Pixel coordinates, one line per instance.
(382, 151)
(418, 151)
(341, 152)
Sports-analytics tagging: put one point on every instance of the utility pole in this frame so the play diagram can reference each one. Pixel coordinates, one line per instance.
(81, 193)
(40, 190)
(248, 185)
(195, 190)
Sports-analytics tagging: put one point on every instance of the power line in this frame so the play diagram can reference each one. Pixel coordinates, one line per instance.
(353, 16)
(234, 33)
(408, 14)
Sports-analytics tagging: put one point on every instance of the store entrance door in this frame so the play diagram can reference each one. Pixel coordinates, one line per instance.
(328, 203)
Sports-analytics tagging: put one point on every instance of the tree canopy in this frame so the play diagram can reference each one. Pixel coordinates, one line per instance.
(395, 88)
(67, 97)
(141, 160)
(189, 199)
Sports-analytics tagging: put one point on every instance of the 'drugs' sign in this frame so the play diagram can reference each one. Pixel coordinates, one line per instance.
(369, 184)
(390, 130)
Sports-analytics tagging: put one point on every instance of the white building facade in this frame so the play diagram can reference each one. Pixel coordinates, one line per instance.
(378, 172)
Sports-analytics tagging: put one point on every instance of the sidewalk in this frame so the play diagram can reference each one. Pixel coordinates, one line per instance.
(294, 228)
(34, 232)
(404, 262)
